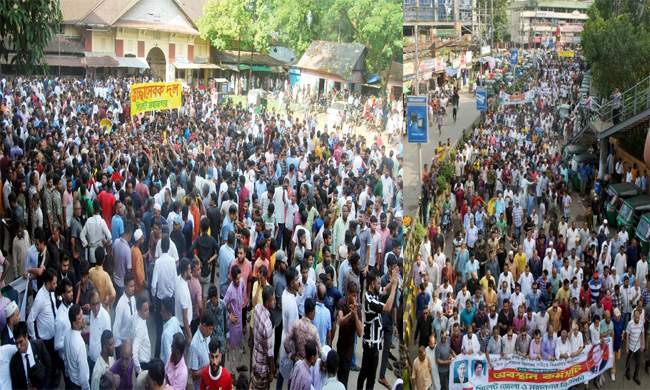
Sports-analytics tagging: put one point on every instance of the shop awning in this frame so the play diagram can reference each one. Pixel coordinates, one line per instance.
(255, 68)
(132, 62)
(277, 69)
(195, 66)
(452, 72)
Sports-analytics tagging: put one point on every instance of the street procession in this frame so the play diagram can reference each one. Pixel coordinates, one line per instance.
(201, 194)
(526, 249)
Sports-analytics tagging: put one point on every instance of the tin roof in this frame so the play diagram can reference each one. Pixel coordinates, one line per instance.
(332, 57)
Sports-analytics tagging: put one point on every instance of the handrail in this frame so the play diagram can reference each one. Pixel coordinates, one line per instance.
(633, 101)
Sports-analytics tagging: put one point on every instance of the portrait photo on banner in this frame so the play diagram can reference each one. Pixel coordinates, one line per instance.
(460, 371)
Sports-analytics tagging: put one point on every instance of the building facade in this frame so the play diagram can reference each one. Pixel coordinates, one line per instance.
(440, 18)
(535, 22)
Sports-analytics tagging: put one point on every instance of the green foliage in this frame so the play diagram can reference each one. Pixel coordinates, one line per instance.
(447, 172)
(442, 184)
(226, 21)
(617, 47)
(26, 27)
(419, 233)
(375, 23)
(500, 18)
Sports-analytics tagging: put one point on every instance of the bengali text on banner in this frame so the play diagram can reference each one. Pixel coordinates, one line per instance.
(523, 98)
(155, 96)
(565, 53)
(473, 372)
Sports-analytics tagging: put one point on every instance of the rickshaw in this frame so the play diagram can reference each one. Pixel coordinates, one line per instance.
(587, 159)
(643, 233)
(631, 212)
(565, 109)
(570, 150)
(491, 87)
(509, 79)
(506, 74)
(616, 194)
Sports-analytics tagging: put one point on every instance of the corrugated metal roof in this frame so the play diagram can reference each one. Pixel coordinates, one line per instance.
(101, 60)
(132, 62)
(230, 57)
(332, 57)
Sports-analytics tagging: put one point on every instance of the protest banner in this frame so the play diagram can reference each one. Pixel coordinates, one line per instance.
(565, 53)
(523, 98)
(519, 373)
(155, 96)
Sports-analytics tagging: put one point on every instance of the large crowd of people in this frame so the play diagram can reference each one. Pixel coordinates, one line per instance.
(161, 249)
(525, 273)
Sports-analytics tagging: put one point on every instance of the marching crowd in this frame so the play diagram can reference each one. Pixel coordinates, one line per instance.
(158, 248)
(525, 276)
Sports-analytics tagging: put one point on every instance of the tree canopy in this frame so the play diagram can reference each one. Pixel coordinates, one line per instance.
(26, 28)
(616, 43)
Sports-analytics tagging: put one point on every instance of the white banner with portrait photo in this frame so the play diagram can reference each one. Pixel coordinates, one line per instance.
(472, 372)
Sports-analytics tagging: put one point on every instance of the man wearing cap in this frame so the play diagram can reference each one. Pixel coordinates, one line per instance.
(12, 314)
(604, 228)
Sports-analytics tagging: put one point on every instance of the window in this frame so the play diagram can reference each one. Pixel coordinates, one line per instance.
(62, 29)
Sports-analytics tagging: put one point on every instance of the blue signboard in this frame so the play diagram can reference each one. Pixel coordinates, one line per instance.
(514, 57)
(481, 98)
(417, 120)
(550, 43)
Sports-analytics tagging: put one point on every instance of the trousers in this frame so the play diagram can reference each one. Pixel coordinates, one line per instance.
(368, 371)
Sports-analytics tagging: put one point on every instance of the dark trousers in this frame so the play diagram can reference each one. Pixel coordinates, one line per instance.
(616, 115)
(194, 325)
(368, 370)
(286, 240)
(159, 327)
(637, 362)
(444, 380)
(119, 291)
(91, 365)
(276, 346)
(280, 235)
(388, 338)
(344, 371)
(57, 363)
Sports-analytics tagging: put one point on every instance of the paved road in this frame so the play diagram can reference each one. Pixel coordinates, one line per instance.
(467, 114)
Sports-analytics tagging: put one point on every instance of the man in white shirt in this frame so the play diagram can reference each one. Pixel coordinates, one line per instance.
(517, 298)
(43, 314)
(566, 272)
(62, 322)
(100, 321)
(470, 344)
(124, 311)
(141, 341)
(563, 348)
(526, 281)
(163, 282)
(75, 350)
(183, 300)
(105, 360)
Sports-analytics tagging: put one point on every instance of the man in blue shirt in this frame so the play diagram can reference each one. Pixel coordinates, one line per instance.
(533, 297)
(225, 259)
(594, 288)
(229, 224)
(117, 222)
(467, 316)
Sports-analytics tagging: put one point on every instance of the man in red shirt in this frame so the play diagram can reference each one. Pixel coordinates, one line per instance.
(215, 377)
(107, 200)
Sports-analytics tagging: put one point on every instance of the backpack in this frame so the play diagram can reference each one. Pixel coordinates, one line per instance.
(85, 210)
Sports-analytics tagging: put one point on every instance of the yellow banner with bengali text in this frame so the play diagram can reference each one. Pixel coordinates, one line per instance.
(565, 53)
(155, 96)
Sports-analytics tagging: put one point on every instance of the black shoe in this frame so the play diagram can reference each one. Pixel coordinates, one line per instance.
(638, 382)
(391, 356)
(354, 368)
(389, 367)
(627, 375)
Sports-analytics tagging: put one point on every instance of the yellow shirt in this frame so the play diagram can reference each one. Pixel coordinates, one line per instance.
(484, 282)
(521, 262)
(259, 297)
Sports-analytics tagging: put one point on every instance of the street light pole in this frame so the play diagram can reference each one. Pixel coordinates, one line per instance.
(417, 89)
(492, 23)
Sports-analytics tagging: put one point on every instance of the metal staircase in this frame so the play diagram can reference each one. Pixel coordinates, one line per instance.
(634, 111)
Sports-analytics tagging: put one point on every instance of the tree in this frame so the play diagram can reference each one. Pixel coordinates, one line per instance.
(377, 24)
(617, 50)
(27, 26)
(227, 21)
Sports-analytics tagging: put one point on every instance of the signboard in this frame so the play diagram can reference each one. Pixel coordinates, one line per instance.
(468, 58)
(517, 373)
(446, 32)
(440, 65)
(481, 99)
(485, 50)
(455, 64)
(408, 68)
(155, 96)
(523, 98)
(544, 14)
(565, 53)
(462, 62)
(550, 43)
(514, 57)
(417, 119)
(429, 64)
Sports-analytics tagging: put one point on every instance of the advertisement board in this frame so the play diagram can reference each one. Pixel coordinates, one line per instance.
(481, 98)
(417, 119)
(514, 57)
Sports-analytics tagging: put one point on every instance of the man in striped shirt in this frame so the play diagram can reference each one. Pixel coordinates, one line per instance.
(373, 307)
(635, 345)
(263, 370)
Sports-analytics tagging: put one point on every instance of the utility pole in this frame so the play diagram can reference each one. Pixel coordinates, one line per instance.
(417, 90)
(492, 23)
